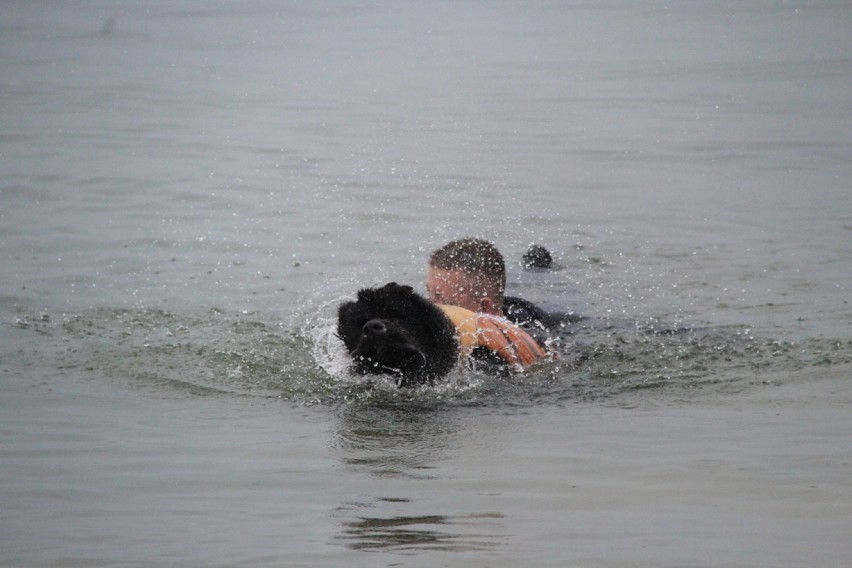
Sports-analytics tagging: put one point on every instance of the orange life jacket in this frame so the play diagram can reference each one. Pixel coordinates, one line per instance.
(510, 342)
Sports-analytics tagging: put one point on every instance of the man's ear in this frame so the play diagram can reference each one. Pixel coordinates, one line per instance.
(486, 305)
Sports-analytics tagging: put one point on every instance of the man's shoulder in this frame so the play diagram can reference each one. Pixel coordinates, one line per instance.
(527, 314)
(524, 313)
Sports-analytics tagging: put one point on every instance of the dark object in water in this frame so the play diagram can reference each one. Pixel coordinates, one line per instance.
(108, 26)
(537, 257)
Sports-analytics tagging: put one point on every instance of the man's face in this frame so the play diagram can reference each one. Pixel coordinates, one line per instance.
(454, 287)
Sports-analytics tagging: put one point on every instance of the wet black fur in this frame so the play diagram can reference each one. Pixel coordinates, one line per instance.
(393, 330)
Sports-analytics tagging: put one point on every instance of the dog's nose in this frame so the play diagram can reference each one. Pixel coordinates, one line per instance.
(374, 327)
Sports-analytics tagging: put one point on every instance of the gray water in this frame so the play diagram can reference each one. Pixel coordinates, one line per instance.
(188, 190)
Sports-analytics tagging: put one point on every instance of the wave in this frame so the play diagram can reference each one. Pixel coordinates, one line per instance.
(217, 353)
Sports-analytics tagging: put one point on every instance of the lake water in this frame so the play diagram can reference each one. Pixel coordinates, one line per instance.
(189, 189)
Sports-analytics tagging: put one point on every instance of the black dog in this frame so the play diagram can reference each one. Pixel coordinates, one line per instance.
(393, 330)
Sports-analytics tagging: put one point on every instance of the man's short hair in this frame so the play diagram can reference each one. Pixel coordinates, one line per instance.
(477, 258)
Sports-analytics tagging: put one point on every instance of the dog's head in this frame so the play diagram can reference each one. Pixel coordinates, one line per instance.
(385, 346)
(393, 330)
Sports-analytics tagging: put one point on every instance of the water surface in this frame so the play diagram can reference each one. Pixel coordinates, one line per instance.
(188, 190)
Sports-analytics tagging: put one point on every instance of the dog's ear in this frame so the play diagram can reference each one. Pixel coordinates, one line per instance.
(351, 317)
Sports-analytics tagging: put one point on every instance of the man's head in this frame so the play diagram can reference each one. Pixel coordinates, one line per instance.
(469, 273)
